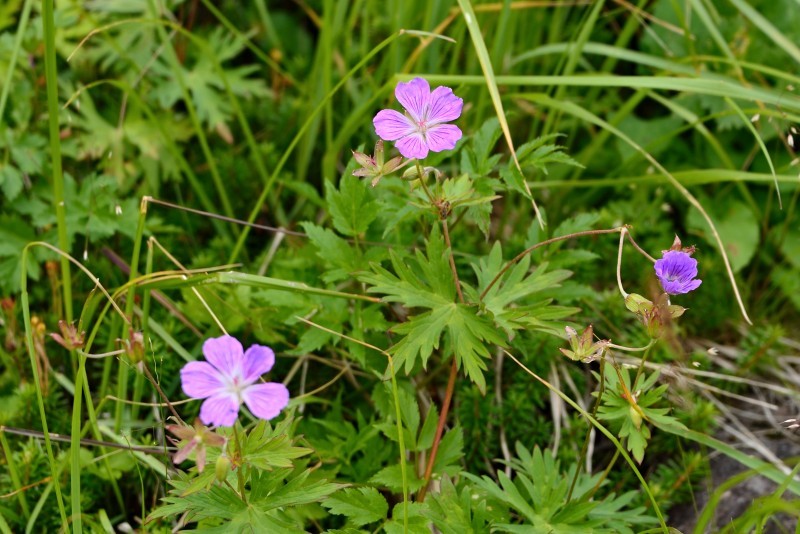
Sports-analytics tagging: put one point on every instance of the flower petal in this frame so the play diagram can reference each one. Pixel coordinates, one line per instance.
(443, 137)
(391, 125)
(415, 97)
(225, 353)
(266, 400)
(220, 410)
(444, 106)
(200, 380)
(257, 360)
(412, 146)
(184, 452)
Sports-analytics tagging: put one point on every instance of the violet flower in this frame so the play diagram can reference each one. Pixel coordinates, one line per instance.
(423, 127)
(677, 272)
(229, 377)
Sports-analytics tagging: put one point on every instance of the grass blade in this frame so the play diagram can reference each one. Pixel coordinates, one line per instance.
(491, 84)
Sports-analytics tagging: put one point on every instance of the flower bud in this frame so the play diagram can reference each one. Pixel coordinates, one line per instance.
(636, 417)
(133, 346)
(222, 467)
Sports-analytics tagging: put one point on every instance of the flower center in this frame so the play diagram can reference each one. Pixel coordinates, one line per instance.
(235, 385)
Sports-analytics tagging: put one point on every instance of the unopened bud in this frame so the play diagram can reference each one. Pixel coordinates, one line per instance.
(222, 467)
(134, 346)
(636, 417)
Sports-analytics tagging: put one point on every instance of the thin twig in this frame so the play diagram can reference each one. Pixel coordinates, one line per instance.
(84, 441)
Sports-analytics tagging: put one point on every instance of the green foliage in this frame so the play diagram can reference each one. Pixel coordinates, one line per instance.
(350, 207)
(518, 284)
(538, 494)
(629, 406)
(190, 102)
(275, 484)
(361, 506)
(431, 286)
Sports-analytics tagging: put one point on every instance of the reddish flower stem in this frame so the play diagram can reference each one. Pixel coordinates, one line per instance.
(451, 381)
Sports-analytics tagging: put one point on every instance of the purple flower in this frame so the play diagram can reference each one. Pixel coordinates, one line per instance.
(422, 128)
(677, 272)
(229, 378)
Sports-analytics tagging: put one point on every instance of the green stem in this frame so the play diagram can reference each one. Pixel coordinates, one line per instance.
(451, 380)
(421, 174)
(12, 64)
(239, 473)
(26, 314)
(582, 458)
(401, 443)
(177, 70)
(130, 301)
(55, 150)
(12, 470)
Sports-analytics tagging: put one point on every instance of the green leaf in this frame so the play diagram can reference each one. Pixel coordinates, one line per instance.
(429, 286)
(10, 181)
(466, 335)
(539, 154)
(392, 478)
(14, 235)
(417, 524)
(350, 207)
(337, 253)
(360, 505)
(515, 285)
(268, 448)
(476, 158)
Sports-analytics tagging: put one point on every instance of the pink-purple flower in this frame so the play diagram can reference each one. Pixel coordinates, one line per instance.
(677, 272)
(423, 127)
(229, 377)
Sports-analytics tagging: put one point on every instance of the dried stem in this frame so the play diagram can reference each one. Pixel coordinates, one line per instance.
(153, 381)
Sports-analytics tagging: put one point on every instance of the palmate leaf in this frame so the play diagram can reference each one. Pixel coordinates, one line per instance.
(632, 415)
(430, 285)
(267, 448)
(360, 505)
(515, 285)
(203, 79)
(466, 512)
(466, 334)
(14, 235)
(537, 493)
(350, 206)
